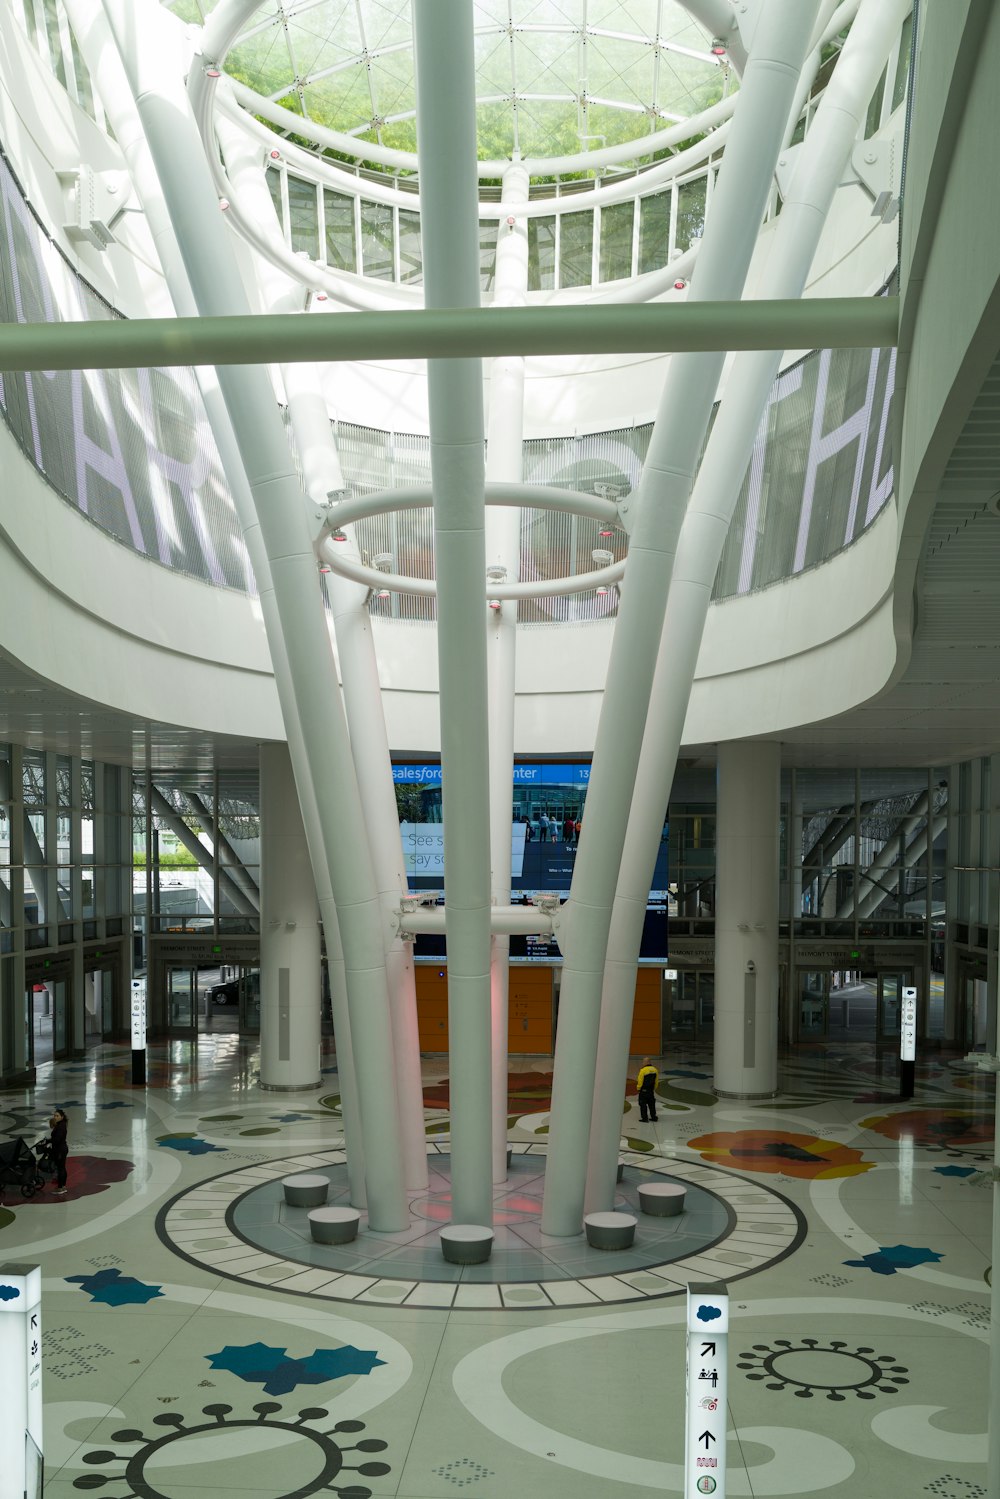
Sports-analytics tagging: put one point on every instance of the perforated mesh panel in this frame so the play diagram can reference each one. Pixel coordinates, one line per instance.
(132, 450)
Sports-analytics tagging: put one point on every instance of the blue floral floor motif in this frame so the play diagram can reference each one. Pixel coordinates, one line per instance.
(955, 1170)
(115, 1289)
(258, 1363)
(886, 1260)
(192, 1144)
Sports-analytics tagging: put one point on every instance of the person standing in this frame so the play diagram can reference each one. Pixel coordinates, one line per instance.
(60, 1149)
(543, 828)
(569, 832)
(646, 1081)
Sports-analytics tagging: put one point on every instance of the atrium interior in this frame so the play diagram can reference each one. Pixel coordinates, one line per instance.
(499, 739)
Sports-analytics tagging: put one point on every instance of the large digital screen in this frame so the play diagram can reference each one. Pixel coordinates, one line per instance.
(548, 813)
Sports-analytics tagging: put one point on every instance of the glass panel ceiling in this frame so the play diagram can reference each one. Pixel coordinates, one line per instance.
(554, 76)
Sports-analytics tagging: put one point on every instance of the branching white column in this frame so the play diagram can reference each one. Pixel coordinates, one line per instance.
(449, 228)
(780, 44)
(822, 161)
(293, 611)
(372, 763)
(504, 460)
(93, 35)
(746, 919)
(289, 933)
(322, 475)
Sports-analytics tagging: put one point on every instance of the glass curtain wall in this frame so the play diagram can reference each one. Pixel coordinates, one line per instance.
(65, 898)
(196, 852)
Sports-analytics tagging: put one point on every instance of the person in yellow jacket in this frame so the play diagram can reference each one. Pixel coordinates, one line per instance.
(647, 1080)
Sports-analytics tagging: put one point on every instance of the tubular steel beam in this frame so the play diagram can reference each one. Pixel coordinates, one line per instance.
(454, 333)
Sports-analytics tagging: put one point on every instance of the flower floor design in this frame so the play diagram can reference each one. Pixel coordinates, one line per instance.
(197, 1343)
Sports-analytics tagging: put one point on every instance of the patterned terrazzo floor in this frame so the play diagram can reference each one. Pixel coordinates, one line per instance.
(223, 1354)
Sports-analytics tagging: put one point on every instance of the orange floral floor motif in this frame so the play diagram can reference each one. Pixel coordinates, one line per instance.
(527, 1093)
(951, 1129)
(775, 1152)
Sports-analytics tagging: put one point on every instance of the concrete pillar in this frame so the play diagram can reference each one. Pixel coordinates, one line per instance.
(289, 933)
(746, 920)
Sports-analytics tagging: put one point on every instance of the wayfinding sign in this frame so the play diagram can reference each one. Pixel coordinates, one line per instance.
(907, 1040)
(138, 1027)
(20, 1381)
(908, 1025)
(705, 1431)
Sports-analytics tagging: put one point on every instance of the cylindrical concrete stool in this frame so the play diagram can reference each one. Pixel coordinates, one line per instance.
(662, 1199)
(610, 1230)
(306, 1191)
(466, 1243)
(334, 1225)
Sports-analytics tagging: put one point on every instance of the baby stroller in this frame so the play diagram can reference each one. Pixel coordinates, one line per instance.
(43, 1154)
(19, 1168)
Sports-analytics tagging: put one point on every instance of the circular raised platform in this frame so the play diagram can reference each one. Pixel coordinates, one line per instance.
(237, 1225)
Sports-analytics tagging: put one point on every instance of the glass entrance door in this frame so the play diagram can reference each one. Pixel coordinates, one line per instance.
(104, 980)
(182, 999)
(249, 991)
(48, 1002)
(691, 1007)
(973, 1018)
(890, 994)
(812, 1004)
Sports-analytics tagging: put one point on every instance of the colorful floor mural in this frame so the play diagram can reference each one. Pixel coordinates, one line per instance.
(196, 1343)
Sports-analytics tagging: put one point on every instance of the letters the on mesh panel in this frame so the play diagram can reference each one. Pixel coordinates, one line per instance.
(131, 449)
(821, 468)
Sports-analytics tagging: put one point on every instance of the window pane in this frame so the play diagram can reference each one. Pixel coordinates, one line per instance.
(875, 108)
(576, 249)
(303, 216)
(274, 187)
(410, 263)
(341, 246)
(541, 254)
(690, 213)
(616, 241)
(903, 65)
(33, 779)
(63, 782)
(654, 232)
(376, 240)
(487, 254)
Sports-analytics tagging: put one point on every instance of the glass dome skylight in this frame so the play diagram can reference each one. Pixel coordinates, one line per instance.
(555, 77)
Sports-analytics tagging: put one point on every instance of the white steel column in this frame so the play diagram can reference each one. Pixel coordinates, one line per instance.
(824, 156)
(449, 227)
(293, 611)
(765, 98)
(373, 766)
(504, 460)
(289, 933)
(746, 919)
(322, 476)
(93, 35)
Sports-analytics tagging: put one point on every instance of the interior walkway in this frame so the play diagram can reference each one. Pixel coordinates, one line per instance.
(187, 1356)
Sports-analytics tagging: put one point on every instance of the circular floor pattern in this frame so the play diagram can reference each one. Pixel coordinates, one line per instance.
(237, 1226)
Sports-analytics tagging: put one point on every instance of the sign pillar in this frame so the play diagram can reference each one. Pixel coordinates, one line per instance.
(907, 1041)
(21, 1381)
(138, 1019)
(705, 1427)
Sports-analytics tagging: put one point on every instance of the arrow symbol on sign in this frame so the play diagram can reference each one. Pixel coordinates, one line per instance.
(708, 1350)
(706, 1437)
